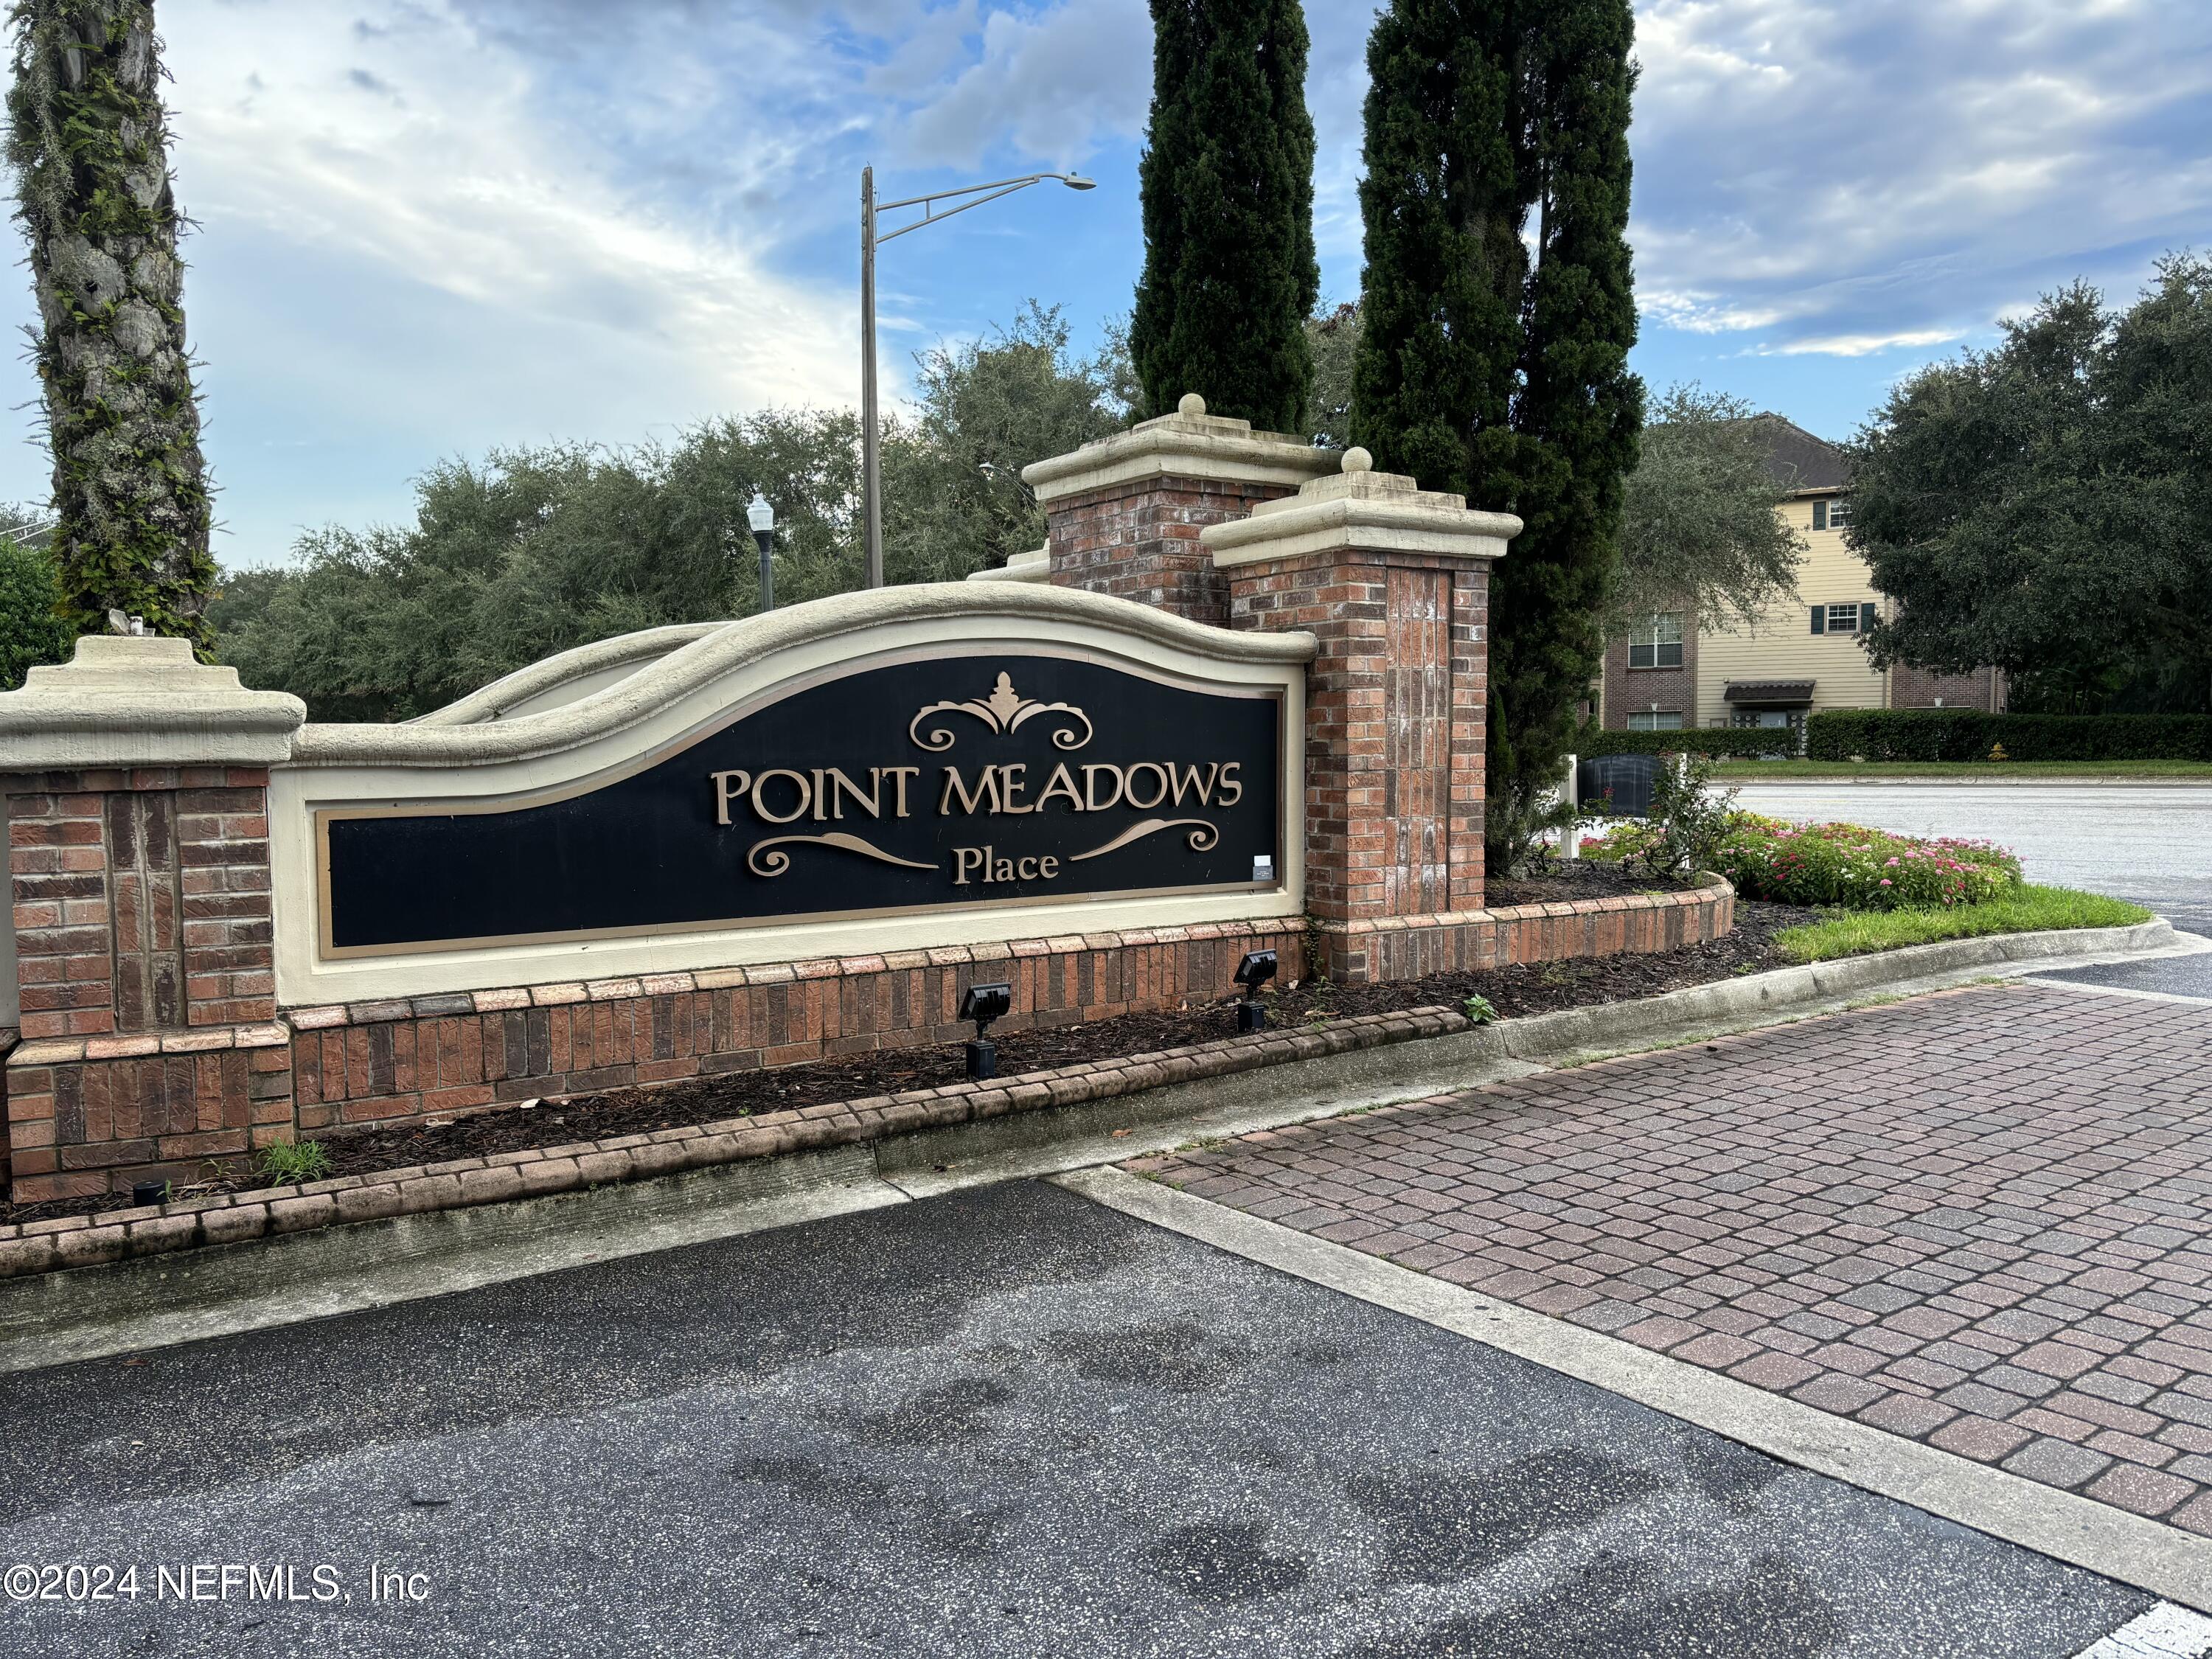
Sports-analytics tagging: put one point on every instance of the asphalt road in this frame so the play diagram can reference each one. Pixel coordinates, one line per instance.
(1003, 1422)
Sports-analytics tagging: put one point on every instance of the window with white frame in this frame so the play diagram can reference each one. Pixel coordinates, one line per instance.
(1657, 641)
(1843, 619)
(1656, 720)
(1831, 515)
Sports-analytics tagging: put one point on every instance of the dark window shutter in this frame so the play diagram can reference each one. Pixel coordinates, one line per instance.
(1819, 619)
(1866, 619)
(1819, 515)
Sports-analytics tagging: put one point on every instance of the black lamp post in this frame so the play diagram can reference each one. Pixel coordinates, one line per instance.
(762, 517)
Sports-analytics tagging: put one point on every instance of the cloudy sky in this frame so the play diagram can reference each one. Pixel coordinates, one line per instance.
(431, 227)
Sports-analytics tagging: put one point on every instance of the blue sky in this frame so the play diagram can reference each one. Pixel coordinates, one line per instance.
(431, 227)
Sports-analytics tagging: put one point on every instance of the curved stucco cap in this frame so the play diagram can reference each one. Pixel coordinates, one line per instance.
(524, 685)
(738, 645)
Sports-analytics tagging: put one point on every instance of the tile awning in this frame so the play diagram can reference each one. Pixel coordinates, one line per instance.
(1768, 691)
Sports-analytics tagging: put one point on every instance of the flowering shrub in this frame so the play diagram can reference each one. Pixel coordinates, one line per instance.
(1858, 868)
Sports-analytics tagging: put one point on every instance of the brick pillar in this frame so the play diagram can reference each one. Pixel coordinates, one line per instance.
(138, 871)
(1394, 582)
(1124, 514)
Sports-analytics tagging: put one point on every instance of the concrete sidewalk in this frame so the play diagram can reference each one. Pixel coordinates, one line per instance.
(1982, 1220)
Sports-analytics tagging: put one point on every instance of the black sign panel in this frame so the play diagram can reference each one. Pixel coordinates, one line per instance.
(983, 779)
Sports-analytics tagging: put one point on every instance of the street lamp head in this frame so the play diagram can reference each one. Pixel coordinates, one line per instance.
(1076, 181)
(759, 514)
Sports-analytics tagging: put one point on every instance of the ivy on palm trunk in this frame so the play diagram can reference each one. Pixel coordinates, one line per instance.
(1498, 311)
(90, 146)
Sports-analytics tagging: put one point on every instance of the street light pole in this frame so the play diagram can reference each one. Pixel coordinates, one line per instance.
(871, 460)
(870, 240)
(762, 517)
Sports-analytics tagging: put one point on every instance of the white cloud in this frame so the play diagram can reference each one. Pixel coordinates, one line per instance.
(458, 180)
(1051, 87)
(1864, 345)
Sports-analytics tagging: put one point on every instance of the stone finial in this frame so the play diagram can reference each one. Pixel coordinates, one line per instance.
(1190, 404)
(1356, 459)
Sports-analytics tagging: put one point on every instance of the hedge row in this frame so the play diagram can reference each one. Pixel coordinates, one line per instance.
(1716, 740)
(1963, 734)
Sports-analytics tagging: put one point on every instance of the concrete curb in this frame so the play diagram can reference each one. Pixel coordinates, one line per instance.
(298, 1252)
(2126, 1547)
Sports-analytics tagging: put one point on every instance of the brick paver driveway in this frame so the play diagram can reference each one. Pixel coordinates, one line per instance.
(1982, 1219)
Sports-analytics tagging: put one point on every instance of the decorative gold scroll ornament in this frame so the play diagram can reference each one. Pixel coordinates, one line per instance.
(1201, 838)
(777, 862)
(1003, 711)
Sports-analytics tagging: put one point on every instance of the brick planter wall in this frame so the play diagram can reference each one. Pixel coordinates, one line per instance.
(379, 1062)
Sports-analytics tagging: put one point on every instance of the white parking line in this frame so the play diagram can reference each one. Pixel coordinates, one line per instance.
(2164, 1632)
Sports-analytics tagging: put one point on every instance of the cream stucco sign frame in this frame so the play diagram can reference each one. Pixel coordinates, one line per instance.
(589, 715)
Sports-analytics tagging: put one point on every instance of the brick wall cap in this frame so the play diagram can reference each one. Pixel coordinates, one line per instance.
(1360, 510)
(142, 700)
(1197, 446)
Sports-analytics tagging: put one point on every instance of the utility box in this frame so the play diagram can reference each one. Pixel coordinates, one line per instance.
(1618, 785)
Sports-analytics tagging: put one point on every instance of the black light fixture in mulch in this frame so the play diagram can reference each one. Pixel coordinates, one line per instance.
(983, 1004)
(1256, 969)
(148, 1192)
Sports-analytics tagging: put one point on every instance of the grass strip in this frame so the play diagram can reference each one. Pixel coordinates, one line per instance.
(2027, 910)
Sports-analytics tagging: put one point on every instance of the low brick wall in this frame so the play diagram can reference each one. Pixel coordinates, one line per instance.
(88, 1113)
(1412, 947)
(379, 1062)
(161, 1229)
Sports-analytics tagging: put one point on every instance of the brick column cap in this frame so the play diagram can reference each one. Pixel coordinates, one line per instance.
(142, 700)
(1188, 444)
(1359, 509)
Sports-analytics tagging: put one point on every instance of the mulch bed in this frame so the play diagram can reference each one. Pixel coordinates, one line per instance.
(1514, 992)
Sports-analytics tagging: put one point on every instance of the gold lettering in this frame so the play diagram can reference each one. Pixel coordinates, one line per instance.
(1010, 787)
(987, 789)
(806, 795)
(898, 775)
(841, 786)
(1187, 777)
(1063, 783)
(1001, 869)
(1027, 869)
(1158, 795)
(821, 797)
(1090, 788)
(725, 791)
(1048, 867)
(965, 859)
(1232, 788)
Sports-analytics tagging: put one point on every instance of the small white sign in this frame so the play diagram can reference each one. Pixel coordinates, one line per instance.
(1263, 867)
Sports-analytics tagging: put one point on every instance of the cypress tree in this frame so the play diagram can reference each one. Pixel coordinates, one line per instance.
(1579, 411)
(1492, 375)
(89, 143)
(1227, 188)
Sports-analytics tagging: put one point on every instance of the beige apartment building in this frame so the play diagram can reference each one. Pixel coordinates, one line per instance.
(1801, 654)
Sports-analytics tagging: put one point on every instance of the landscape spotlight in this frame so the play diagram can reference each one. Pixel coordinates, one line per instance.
(983, 1004)
(1256, 969)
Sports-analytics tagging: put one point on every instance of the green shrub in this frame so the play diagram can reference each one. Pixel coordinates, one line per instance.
(288, 1162)
(1718, 741)
(32, 631)
(1857, 868)
(1963, 734)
